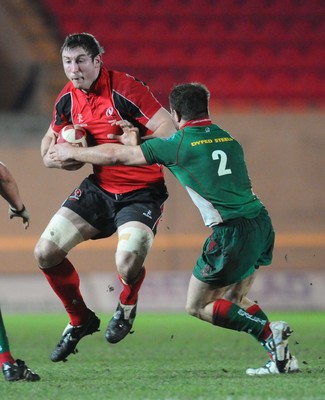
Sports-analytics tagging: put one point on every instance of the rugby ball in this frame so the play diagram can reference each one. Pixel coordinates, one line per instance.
(75, 136)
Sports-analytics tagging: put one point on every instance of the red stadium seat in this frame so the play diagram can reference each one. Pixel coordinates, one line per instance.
(261, 58)
(290, 58)
(224, 85)
(279, 86)
(232, 58)
(202, 57)
(176, 57)
(158, 30)
(229, 44)
(251, 86)
(218, 30)
(309, 86)
(272, 31)
(244, 31)
(150, 56)
(71, 25)
(314, 56)
(300, 31)
(277, 8)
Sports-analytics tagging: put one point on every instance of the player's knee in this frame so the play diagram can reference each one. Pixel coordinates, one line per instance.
(192, 310)
(134, 242)
(128, 264)
(132, 249)
(47, 255)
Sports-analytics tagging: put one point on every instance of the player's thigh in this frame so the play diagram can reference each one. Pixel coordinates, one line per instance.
(65, 230)
(200, 293)
(94, 207)
(143, 205)
(86, 230)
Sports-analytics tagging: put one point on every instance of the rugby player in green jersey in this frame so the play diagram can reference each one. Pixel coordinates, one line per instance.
(210, 164)
(12, 369)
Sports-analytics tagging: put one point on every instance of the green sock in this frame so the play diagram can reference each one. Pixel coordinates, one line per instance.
(4, 343)
(230, 316)
(256, 310)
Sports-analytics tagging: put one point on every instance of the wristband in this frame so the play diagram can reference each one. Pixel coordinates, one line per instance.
(18, 212)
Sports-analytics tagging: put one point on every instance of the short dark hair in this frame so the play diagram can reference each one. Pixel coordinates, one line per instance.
(85, 40)
(190, 100)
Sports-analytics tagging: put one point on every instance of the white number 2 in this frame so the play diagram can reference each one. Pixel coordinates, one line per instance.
(222, 170)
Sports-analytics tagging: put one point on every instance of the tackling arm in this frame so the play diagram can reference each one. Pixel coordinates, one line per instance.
(104, 154)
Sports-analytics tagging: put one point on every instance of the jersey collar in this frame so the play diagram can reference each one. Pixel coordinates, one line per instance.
(197, 122)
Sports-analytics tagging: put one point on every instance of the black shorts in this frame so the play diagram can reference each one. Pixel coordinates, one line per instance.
(107, 211)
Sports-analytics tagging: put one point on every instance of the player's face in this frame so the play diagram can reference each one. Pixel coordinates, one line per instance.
(79, 68)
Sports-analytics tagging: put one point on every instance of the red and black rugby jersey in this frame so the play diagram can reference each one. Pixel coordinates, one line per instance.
(114, 96)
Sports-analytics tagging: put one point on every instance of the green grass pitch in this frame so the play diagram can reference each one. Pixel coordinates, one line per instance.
(169, 357)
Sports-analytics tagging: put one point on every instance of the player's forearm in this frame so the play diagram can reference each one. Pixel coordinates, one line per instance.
(10, 193)
(105, 154)
(9, 189)
(45, 145)
(98, 155)
(47, 141)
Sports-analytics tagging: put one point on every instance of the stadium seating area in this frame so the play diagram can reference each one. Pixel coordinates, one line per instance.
(254, 52)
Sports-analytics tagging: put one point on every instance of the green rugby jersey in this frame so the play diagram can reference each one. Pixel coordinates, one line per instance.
(210, 164)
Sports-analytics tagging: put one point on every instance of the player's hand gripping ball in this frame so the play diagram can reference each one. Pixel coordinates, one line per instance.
(75, 136)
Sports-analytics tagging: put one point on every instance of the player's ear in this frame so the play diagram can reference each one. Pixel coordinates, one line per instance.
(175, 115)
(98, 60)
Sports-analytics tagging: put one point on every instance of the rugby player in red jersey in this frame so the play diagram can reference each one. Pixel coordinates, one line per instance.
(127, 200)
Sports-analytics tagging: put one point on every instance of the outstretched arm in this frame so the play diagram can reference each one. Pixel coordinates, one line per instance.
(10, 192)
(104, 154)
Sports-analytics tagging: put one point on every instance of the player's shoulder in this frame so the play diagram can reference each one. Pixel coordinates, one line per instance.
(117, 76)
(68, 87)
(65, 96)
(168, 142)
(176, 136)
(121, 80)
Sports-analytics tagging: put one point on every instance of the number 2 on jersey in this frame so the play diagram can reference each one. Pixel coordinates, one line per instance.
(219, 154)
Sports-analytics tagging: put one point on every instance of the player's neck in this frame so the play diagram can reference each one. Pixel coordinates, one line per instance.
(195, 122)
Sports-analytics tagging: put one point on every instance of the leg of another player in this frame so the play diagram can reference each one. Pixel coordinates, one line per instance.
(226, 307)
(5, 355)
(238, 294)
(230, 308)
(135, 240)
(13, 370)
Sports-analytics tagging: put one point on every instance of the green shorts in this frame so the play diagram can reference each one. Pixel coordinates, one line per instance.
(235, 249)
